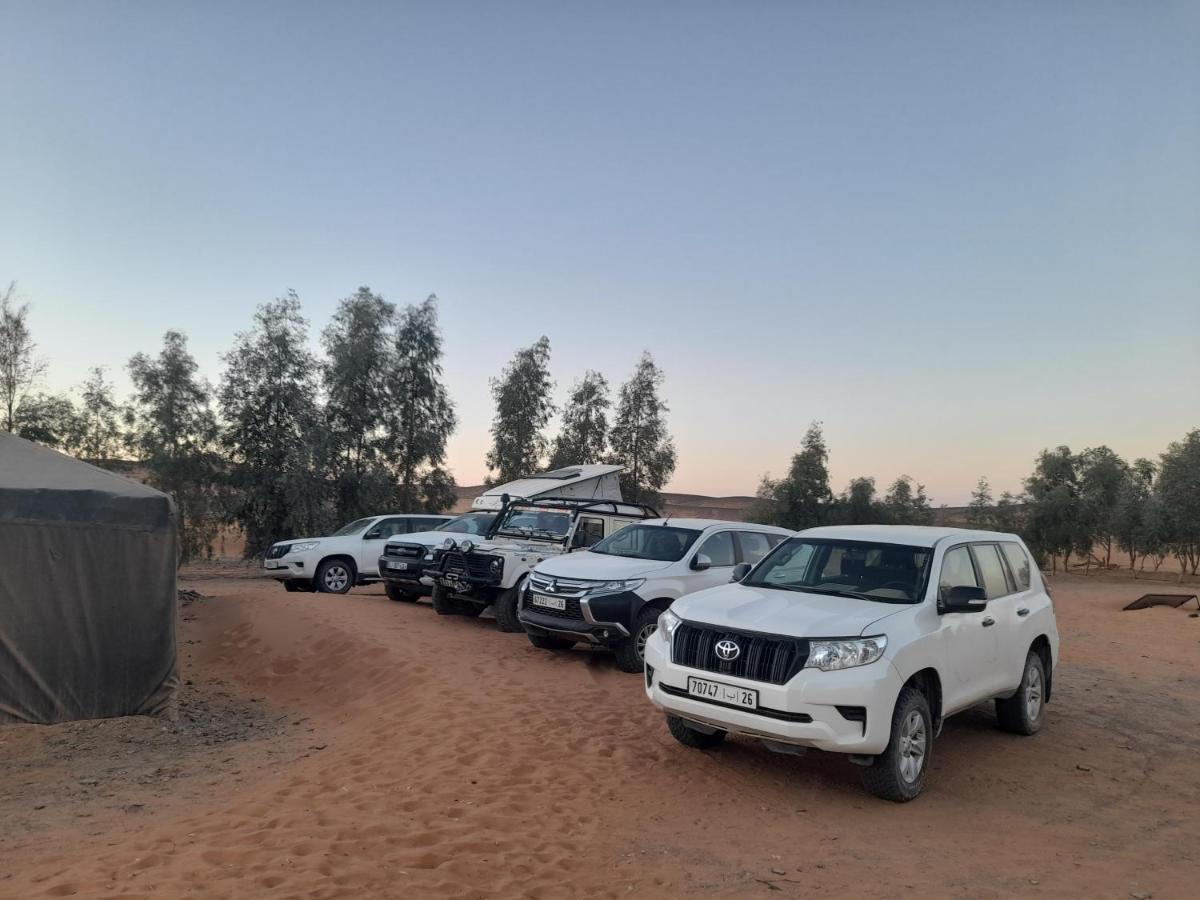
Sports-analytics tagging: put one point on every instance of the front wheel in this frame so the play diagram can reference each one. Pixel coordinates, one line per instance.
(294, 586)
(335, 576)
(545, 642)
(399, 594)
(898, 774)
(1022, 713)
(505, 608)
(690, 737)
(631, 651)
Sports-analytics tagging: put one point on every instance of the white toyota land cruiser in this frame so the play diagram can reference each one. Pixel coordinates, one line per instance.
(860, 640)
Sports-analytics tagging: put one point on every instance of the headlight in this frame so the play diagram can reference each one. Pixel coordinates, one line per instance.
(429, 554)
(448, 544)
(615, 587)
(303, 546)
(667, 623)
(466, 546)
(497, 564)
(829, 656)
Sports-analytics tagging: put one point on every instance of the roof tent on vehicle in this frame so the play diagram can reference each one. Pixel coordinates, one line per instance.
(592, 482)
(87, 590)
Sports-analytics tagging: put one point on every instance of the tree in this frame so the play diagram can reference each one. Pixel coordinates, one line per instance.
(268, 401)
(858, 505)
(979, 510)
(358, 346)
(905, 504)
(1102, 473)
(45, 418)
(96, 435)
(420, 416)
(1054, 526)
(523, 407)
(802, 498)
(173, 431)
(639, 438)
(1178, 490)
(584, 435)
(1130, 522)
(20, 367)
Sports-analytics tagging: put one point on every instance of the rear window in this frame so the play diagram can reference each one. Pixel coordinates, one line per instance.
(1018, 564)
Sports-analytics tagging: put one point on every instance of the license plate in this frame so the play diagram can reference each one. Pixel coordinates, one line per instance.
(722, 693)
(271, 564)
(548, 602)
(401, 567)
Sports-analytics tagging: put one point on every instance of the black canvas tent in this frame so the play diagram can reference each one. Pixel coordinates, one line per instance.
(87, 590)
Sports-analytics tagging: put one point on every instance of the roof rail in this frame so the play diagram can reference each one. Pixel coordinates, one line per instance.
(584, 503)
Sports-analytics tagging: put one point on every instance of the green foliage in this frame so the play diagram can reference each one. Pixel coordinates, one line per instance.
(271, 439)
(420, 415)
(639, 439)
(20, 370)
(174, 432)
(906, 504)
(46, 418)
(1054, 507)
(802, 498)
(1178, 490)
(584, 435)
(980, 508)
(523, 407)
(96, 431)
(858, 505)
(1102, 474)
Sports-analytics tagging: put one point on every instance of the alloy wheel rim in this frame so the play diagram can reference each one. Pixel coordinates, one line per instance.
(914, 743)
(1033, 693)
(336, 578)
(642, 637)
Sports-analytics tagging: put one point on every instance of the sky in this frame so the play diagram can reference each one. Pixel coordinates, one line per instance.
(953, 233)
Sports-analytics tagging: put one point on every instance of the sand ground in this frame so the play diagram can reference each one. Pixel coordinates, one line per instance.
(353, 747)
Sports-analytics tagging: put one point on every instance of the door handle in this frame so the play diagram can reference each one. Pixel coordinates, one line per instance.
(1022, 611)
(988, 621)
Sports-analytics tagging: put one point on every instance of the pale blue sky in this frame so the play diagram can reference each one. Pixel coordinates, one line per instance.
(954, 232)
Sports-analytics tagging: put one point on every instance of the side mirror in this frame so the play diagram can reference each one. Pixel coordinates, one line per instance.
(740, 571)
(372, 535)
(964, 598)
(701, 561)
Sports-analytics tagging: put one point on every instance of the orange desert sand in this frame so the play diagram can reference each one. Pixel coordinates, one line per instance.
(352, 747)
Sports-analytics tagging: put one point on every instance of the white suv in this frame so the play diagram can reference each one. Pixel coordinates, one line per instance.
(860, 640)
(613, 593)
(349, 556)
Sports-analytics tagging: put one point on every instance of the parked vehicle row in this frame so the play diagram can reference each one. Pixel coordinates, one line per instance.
(858, 640)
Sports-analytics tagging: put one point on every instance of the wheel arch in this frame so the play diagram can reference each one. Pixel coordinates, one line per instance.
(1041, 646)
(342, 556)
(929, 682)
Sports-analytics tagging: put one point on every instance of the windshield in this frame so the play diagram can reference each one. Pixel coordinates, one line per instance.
(471, 523)
(536, 523)
(660, 542)
(353, 528)
(888, 573)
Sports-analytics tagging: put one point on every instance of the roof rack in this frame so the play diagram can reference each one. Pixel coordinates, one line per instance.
(583, 503)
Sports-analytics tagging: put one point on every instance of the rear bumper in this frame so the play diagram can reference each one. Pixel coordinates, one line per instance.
(843, 712)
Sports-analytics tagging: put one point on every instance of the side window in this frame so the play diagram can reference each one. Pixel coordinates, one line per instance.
(957, 570)
(1018, 564)
(416, 525)
(991, 569)
(755, 545)
(588, 532)
(719, 548)
(386, 529)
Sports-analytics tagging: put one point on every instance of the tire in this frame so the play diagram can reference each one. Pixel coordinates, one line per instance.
(445, 605)
(293, 587)
(631, 651)
(505, 609)
(399, 594)
(1024, 711)
(690, 737)
(898, 774)
(544, 642)
(335, 576)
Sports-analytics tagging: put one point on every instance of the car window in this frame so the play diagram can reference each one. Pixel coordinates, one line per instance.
(588, 532)
(755, 545)
(1018, 564)
(661, 542)
(957, 571)
(719, 548)
(353, 528)
(424, 524)
(387, 528)
(992, 570)
(790, 565)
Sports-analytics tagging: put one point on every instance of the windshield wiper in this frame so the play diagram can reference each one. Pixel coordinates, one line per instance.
(856, 595)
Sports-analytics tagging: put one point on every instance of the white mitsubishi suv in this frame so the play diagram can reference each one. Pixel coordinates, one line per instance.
(860, 640)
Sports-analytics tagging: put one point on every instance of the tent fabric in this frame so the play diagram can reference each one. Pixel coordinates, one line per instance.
(87, 590)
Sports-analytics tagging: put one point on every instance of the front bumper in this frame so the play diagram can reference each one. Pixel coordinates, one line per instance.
(804, 712)
(414, 571)
(286, 569)
(598, 620)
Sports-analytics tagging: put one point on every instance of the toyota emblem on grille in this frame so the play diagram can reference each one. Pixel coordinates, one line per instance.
(728, 650)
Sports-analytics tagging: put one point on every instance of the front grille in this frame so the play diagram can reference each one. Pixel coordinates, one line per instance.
(476, 566)
(278, 551)
(764, 657)
(572, 610)
(404, 551)
(559, 587)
